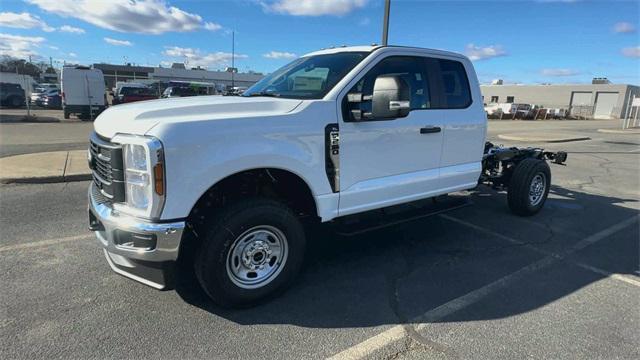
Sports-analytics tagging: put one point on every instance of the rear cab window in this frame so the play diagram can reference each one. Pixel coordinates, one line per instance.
(451, 82)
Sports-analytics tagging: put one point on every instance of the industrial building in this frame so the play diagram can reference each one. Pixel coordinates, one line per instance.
(178, 72)
(599, 100)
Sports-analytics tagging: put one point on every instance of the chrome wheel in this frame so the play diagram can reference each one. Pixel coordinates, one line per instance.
(537, 189)
(257, 257)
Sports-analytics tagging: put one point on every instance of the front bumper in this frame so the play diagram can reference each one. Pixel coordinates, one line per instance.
(151, 261)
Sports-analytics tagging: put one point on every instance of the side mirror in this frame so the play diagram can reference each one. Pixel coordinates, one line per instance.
(391, 97)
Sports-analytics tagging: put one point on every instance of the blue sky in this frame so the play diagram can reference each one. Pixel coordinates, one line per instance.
(567, 41)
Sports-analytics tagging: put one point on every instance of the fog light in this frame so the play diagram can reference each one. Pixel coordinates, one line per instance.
(133, 241)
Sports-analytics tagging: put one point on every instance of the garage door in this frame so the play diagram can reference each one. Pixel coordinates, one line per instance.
(581, 103)
(605, 102)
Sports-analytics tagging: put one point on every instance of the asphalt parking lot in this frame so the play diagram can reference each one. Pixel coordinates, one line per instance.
(475, 282)
(49, 131)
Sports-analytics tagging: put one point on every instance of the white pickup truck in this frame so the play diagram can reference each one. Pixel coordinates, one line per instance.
(224, 184)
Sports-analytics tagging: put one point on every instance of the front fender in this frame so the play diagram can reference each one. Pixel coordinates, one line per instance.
(201, 153)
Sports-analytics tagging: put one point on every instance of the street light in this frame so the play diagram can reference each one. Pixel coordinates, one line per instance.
(385, 24)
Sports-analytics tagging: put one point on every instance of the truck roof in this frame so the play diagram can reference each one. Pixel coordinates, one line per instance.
(371, 48)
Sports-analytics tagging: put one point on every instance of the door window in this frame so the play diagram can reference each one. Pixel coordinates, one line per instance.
(410, 68)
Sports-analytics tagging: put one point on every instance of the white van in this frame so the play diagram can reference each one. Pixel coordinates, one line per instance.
(83, 92)
(26, 82)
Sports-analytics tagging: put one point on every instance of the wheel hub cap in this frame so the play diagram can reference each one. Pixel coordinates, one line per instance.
(537, 189)
(257, 256)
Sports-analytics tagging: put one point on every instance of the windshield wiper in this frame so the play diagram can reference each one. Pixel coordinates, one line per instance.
(262, 93)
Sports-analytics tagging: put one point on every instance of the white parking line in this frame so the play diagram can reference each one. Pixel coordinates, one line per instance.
(41, 243)
(396, 333)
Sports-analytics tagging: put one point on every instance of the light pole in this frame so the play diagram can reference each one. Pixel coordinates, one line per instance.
(233, 58)
(385, 25)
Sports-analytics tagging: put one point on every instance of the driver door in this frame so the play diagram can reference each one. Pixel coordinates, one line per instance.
(388, 161)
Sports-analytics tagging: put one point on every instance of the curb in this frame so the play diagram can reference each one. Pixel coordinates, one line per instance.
(45, 167)
(46, 179)
(541, 138)
(630, 131)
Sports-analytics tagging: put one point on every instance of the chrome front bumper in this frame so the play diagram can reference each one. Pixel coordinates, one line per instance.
(150, 265)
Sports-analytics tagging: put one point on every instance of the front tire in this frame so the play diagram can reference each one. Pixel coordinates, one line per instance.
(529, 187)
(253, 250)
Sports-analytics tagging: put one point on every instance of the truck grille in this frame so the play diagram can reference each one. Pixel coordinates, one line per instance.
(106, 165)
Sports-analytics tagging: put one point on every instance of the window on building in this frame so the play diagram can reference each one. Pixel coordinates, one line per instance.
(494, 99)
(510, 99)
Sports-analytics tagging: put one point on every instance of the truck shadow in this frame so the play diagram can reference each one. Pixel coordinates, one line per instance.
(396, 274)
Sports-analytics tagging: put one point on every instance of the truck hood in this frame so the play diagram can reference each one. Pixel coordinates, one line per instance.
(139, 117)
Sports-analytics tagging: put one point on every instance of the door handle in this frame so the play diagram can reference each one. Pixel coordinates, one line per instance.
(430, 130)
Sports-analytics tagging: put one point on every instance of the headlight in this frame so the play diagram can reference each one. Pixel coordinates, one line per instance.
(143, 162)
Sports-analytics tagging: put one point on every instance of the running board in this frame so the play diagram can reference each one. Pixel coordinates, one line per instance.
(396, 215)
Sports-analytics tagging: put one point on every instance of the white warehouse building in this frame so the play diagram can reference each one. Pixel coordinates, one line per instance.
(116, 73)
(589, 101)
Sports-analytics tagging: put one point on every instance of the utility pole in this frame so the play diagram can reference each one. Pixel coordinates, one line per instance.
(233, 58)
(385, 25)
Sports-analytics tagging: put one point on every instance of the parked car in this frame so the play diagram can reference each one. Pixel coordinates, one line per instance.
(11, 95)
(509, 110)
(225, 185)
(235, 91)
(189, 88)
(36, 93)
(49, 86)
(50, 100)
(83, 91)
(179, 91)
(128, 94)
(39, 93)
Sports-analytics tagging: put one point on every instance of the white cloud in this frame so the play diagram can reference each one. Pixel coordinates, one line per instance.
(53, 47)
(481, 53)
(212, 26)
(194, 57)
(364, 21)
(138, 16)
(19, 46)
(71, 29)
(633, 51)
(315, 7)
(116, 42)
(624, 28)
(28, 21)
(72, 54)
(559, 72)
(280, 55)
(23, 21)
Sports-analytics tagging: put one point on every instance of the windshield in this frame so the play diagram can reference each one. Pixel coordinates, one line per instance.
(308, 77)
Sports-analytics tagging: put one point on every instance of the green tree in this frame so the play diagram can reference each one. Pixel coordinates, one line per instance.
(19, 66)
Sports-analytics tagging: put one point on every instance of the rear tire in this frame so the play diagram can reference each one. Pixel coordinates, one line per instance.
(529, 187)
(66, 114)
(250, 252)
